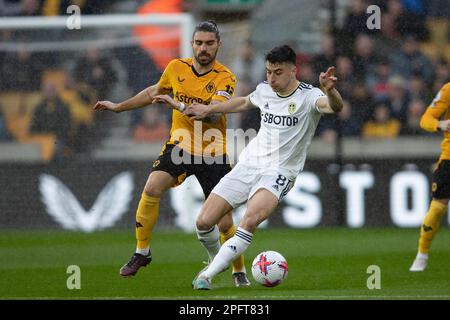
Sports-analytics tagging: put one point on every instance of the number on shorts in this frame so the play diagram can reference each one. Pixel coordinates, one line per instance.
(281, 180)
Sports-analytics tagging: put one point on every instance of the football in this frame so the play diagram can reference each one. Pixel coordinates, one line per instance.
(269, 268)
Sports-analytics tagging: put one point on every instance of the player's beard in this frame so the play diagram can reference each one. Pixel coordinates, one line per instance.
(205, 59)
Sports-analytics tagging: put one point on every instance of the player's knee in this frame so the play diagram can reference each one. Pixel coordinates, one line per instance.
(250, 222)
(202, 223)
(153, 190)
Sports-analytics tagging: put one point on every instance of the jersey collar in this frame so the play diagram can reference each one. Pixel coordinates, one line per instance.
(289, 94)
(201, 74)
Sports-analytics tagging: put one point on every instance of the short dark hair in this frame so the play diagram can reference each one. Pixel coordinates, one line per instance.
(207, 26)
(282, 54)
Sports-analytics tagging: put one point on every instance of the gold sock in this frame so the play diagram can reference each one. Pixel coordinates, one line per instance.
(146, 217)
(430, 225)
(238, 264)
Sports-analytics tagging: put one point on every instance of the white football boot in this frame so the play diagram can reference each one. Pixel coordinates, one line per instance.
(420, 263)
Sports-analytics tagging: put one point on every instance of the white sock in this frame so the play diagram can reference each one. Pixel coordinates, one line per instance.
(230, 250)
(210, 239)
(422, 255)
(144, 251)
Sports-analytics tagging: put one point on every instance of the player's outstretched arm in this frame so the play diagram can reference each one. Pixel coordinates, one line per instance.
(333, 102)
(143, 98)
(234, 105)
(169, 101)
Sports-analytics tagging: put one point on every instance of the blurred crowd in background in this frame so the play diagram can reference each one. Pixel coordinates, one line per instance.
(387, 77)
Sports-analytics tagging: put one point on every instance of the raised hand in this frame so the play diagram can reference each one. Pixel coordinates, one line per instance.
(327, 79)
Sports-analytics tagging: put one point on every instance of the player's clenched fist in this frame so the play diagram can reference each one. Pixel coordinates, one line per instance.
(107, 105)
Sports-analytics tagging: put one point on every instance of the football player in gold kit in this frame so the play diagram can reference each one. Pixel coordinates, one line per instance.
(431, 121)
(188, 151)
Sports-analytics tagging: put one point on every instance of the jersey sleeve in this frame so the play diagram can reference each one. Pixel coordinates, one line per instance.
(255, 97)
(225, 88)
(436, 109)
(311, 99)
(164, 82)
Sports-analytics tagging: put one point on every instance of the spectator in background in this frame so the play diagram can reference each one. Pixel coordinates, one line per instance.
(80, 98)
(249, 65)
(141, 70)
(438, 22)
(350, 125)
(21, 70)
(356, 19)
(410, 60)
(52, 115)
(377, 82)
(3, 56)
(398, 98)
(417, 89)
(442, 75)
(344, 123)
(307, 74)
(438, 9)
(345, 74)
(20, 7)
(361, 103)
(97, 71)
(4, 132)
(10, 8)
(249, 70)
(153, 126)
(416, 108)
(328, 55)
(382, 125)
(402, 18)
(364, 56)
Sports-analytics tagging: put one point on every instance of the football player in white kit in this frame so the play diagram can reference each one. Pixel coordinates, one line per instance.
(268, 166)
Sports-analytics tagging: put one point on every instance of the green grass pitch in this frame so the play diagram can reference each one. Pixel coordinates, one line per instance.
(324, 263)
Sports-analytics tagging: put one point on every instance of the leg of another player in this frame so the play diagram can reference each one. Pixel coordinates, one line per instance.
(428, 230)
(214, 210)
(227, 231)
(146, 217)
(259, 208)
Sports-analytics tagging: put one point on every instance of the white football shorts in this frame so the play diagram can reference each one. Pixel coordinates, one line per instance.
(242, 182)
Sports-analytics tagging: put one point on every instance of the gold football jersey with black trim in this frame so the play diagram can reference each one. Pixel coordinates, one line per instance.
(439, 108)
(199, 137)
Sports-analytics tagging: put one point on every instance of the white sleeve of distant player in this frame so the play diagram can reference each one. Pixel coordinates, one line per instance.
(311, 99)
(255, 97)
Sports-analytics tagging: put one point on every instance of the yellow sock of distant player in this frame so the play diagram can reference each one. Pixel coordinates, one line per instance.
(238, 264)
(430, 225)
(146, 217)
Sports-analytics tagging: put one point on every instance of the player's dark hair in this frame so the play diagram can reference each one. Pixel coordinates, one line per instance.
(207, 26)
(282, 54)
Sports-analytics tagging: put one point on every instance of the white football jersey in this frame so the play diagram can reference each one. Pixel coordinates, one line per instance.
(287, 128)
